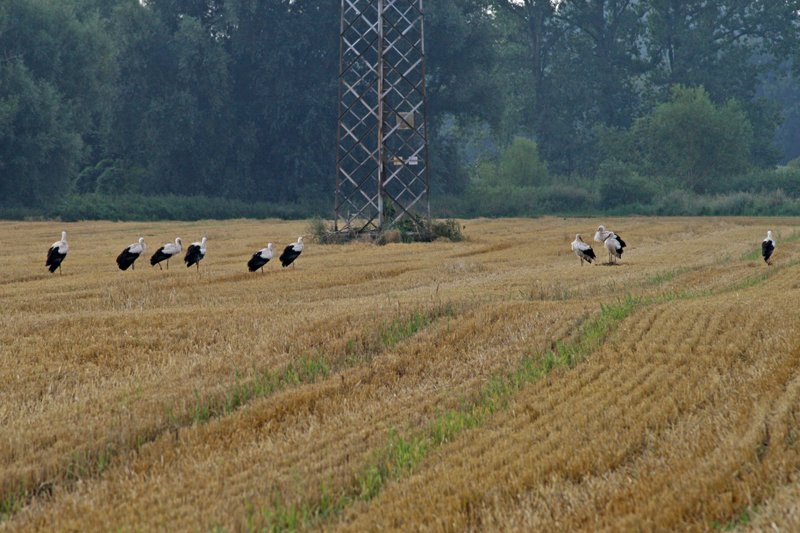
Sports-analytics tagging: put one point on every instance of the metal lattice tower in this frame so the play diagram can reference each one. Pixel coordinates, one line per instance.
(383, 137)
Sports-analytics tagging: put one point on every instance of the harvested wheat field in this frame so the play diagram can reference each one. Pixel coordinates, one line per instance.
(492, 384)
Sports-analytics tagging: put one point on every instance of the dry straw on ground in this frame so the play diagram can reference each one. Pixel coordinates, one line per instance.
(487, 385)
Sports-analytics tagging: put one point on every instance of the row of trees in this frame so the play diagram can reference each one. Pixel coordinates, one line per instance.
(237, 98)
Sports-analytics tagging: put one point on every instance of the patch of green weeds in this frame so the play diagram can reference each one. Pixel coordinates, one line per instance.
(400, 329)
(747, 515)
(402, 454)
(12, 502)
(663, 277)
(306, 368)
(405, 326)
(752, 255)
(751, 281)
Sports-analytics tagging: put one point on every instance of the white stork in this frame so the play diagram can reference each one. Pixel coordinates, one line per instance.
(291, 252)
(195, 252)
(767, 247)
(260, 258)
(166, 252)
(613, 246)
(57, 253)
(582, 250)
(602, 236)
(130, 254)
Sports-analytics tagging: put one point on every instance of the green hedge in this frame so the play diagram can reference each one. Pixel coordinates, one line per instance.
(151, 208)
(567, 199)
(759, 193)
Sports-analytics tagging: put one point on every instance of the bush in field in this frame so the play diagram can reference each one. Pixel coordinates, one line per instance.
(389, 237)
(449, 229)
(408, 231)
(317, 230)
(321, 232)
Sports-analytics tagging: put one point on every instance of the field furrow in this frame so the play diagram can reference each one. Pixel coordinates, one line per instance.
(686, 430)
(487, 385)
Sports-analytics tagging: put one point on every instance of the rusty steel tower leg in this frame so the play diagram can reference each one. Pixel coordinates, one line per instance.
(382, 160)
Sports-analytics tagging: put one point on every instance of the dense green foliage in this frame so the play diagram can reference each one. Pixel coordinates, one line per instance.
(695, 140)
(141, 110)
(687, 138)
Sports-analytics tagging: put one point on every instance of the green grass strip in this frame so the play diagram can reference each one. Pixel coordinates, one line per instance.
(752, 255)
(307, 368)
(401, 454)
(663, 277)
(399, 330)
(302, 369)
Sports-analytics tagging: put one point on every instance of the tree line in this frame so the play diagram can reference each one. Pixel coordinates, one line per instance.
(237, 99)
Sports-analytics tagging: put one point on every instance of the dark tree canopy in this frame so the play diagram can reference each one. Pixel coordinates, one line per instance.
(237, 99)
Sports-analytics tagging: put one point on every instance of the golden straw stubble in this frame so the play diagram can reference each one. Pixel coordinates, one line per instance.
(185, 400)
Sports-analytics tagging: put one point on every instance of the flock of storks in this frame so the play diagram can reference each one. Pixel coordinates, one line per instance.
(194, 254)
(614, 244)
(197, 251)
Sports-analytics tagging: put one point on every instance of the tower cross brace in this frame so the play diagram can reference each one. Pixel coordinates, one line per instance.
(382, 156)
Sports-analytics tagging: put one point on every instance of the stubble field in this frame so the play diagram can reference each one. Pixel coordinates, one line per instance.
(487, 385)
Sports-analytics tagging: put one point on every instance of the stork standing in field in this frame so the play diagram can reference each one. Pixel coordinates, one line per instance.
(260, 258)
(614, 247)
(166, 252)
(582, 250)
(767, 247)
(130, 254)
(291, 252)
(57, 253)
(195, 253)
(602, 236)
